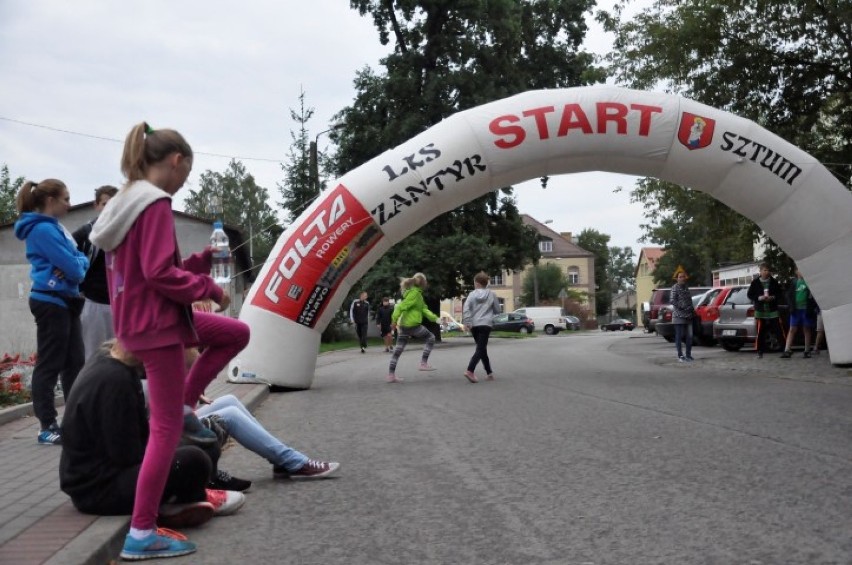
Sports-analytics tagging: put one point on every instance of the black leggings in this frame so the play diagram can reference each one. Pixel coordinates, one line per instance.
(480, 336)
(187, 481)
(60, 356)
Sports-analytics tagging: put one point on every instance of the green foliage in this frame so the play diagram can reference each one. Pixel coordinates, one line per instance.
(235, 198)
(621, 268)
(597, 243)
(550, 281)
(697, 231)
(8, 193)
(785, 65)
(450, 56)
(299, 187)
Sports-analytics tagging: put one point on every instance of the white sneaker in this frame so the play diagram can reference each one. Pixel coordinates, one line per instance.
(225, 501)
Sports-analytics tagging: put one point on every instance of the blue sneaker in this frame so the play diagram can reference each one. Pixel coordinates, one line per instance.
(195, 432)
(162, 543)
(50, 436)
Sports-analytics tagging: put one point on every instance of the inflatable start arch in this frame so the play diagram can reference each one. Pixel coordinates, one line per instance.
(791, 196)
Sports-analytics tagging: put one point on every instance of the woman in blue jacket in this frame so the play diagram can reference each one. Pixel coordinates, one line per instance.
(57, 268)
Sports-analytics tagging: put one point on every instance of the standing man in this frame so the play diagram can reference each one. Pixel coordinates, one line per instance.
(764, 292)
(359, 314)
(96, 317)
(383, 322)
(803, 312)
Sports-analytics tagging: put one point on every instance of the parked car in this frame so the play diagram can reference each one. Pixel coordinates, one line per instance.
(550, 318)
(708, 312)
(736, 326)
(619, 324)
(573, 323)
(512, 322)
(665, 327)
(447, 327)
(660, 298)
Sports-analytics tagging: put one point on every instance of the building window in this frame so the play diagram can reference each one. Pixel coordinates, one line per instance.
(545, 245)
(573, 275)
(496, 280)
(502, 302)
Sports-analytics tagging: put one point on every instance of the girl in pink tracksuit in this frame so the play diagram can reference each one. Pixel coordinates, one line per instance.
(151, 292)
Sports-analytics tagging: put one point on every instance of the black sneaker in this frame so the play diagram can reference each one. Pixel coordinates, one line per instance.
(313, 469)
(787, 354)
(225, 481)
(807, 355)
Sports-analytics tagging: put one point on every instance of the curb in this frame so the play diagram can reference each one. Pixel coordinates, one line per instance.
(102, 541)
(19, 411)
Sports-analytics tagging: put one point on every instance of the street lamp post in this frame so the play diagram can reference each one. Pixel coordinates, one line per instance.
(313, 158)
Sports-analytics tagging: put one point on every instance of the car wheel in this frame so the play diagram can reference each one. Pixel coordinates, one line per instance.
(524, 330)
(549, 330)
(669, 338)
(603, 328)
(732, 345)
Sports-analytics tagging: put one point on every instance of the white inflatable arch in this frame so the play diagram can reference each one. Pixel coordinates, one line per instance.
(791, 196)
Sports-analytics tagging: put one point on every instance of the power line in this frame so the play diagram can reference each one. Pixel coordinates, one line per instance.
(112, 139)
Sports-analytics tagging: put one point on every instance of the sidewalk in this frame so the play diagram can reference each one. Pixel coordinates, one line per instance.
(38, 523)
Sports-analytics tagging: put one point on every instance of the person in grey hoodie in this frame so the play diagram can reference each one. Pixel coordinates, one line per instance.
(479, 308)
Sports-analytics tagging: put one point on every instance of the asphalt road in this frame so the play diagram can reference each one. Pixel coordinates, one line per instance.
(588, 448)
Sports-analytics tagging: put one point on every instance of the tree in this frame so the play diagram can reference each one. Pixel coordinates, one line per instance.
(785, 65)
(8, 194)
(450, 56)
(597, 243)
(235, 198)
(298, 189)
(551, 283)
(698, 232)
(621, 268)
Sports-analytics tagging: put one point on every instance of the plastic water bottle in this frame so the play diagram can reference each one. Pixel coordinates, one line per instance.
(221, 271)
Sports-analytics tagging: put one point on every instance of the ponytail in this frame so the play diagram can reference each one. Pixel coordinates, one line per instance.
(33, 195)
(145, 146)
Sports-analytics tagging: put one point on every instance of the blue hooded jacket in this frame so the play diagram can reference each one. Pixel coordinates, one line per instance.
(49, 247)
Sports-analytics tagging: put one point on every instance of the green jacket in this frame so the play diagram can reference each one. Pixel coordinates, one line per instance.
(410, 311)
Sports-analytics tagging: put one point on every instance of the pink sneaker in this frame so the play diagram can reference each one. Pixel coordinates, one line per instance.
(426, 367)
(490, 377)
(393, 378)
(470, 376)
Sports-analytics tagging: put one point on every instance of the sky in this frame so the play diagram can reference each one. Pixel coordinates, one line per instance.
(76, 76)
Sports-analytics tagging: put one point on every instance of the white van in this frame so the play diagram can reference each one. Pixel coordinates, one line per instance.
(547, 317)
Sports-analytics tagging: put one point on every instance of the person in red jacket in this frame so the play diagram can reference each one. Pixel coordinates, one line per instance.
(151, 292)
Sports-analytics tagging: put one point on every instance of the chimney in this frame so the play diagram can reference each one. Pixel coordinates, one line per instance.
(567, 235)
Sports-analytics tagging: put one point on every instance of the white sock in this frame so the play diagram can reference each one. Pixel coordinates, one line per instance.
(138, 534)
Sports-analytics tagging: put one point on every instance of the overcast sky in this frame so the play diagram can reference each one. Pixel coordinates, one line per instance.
(76, 75)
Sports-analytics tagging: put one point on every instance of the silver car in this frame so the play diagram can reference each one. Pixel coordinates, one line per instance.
(736, 326)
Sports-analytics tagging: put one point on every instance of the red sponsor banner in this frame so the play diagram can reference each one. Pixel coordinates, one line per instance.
(316, 256)
(696, 132)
